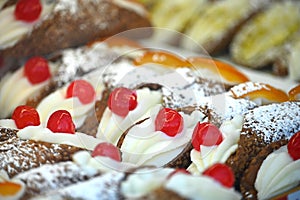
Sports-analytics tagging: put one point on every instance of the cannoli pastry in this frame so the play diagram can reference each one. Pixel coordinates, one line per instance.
(78, 98)
(260, 40)
(49, 26)
(273, 171)
(167, 82)
(213, 145)
(176, 89)
(39, 76)
(262, 126)
(163, 139)
(294, 93)
(215, 26)
(86, 165)
(30, 144)
(105, 186)
(50, 177)
(179, 185)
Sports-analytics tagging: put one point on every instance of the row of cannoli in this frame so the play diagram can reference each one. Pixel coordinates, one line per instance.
(154, 109)
(251, 32)
(270, 171)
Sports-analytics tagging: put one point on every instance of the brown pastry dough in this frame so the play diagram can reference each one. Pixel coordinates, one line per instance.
(64, 29)
(18, 155)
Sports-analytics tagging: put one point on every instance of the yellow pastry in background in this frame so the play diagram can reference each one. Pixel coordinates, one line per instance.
(259, 41)
(173, 16)
(215, 26)
(288, 62)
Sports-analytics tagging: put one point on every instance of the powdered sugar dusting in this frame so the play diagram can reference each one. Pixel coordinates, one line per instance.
(54, 176)
(77, 62)
(223, 107)
(273, 122)
(66, 5)
(103, 187)
(245, 88)
(20, 155)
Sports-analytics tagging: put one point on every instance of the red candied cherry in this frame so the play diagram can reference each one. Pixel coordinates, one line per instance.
(83, 90)
(169, 121)
(122, 100)
(176, 171)
(294, 146)
(37, 70)
(107, 150)
(206, 134)
(28, 10)
(61, 122)
(26, 116)
(221, 173)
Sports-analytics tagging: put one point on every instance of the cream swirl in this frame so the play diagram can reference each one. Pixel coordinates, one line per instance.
(199, 187)
(145, 146)
(12, 30)
(58, 101)
(8, 123)
(144, 181)
(39, 133)
(99, 163)
(210, 155)
(112, 126)
(15, 90)
(277, 174)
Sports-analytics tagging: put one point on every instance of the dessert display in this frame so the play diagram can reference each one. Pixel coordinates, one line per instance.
(110, 118)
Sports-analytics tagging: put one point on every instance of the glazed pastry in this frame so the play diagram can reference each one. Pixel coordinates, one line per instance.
(260, 93)
(10, 189)
(262, 182)
(262, 126)
(205, 67)
(164, 139)
(294, 93)
(217, 70)
(60, 19)
(212, 31)
(259, 41)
